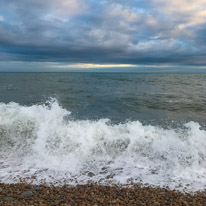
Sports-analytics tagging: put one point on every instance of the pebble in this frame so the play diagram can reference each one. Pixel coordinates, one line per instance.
(96, 195)
(8, 199)
(36, 188)
(27, 194)
(90, 174)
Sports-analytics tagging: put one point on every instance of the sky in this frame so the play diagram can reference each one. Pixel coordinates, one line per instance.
(109, 35)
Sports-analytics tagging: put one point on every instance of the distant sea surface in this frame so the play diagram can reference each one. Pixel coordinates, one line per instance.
(153, 98)
(104, 127)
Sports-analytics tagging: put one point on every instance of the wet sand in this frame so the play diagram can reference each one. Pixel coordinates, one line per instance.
(94, 195)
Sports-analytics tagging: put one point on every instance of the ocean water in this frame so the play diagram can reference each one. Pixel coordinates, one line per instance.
(78, 128)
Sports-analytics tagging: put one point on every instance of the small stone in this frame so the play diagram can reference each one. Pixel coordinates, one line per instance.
(62, 201)
(114, 201)
(91, 174)
(110, 176)
(8, 199)
(27, 194)
(37, 188)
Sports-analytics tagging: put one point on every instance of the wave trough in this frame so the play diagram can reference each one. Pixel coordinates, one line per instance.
(43, 141)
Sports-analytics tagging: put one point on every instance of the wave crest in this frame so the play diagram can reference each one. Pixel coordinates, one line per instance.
(43, 140)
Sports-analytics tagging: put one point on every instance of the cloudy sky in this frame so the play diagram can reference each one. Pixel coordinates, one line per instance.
(61, 35)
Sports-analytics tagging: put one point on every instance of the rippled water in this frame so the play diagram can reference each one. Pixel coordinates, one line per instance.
(153, 98)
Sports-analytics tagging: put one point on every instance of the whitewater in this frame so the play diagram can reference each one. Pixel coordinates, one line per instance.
(43, 143)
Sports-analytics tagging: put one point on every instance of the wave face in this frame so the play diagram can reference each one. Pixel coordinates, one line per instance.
(43, 141)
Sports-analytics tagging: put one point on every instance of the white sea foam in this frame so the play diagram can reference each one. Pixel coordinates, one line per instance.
(42, 141)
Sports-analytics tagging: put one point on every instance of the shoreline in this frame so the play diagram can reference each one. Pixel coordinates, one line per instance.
(95, 195)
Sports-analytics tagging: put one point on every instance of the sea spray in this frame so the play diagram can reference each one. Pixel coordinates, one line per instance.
(43, 141)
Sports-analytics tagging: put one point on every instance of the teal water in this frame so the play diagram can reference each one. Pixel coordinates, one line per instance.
(151, 98)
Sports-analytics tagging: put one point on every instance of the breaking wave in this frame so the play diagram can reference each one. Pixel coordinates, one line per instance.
(44, 142)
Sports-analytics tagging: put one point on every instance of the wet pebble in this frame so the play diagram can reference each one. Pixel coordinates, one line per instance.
(96, 195)
(37, 188)
(27, 194)
(8, 199)
(90, 174)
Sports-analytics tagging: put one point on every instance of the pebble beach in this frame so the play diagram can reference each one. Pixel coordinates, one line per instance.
(92, 194)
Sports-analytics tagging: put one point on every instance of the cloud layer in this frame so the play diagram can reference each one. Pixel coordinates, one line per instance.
(104, 32)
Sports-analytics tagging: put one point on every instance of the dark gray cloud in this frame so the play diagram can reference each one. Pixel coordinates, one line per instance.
(103, 32)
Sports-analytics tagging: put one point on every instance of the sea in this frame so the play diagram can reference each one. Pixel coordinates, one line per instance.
(104, 128)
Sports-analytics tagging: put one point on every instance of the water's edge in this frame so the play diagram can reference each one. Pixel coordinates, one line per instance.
(43, 141)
